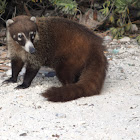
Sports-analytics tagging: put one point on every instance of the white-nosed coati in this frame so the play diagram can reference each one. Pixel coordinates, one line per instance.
(72, 50)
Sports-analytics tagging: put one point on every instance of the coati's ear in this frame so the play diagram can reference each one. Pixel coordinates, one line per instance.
(33, 19)
(9, 22)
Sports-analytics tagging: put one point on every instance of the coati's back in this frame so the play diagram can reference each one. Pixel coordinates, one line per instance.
(70, 48)
(69, 39)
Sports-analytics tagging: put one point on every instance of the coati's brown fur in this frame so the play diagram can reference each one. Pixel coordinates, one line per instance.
(72, 50)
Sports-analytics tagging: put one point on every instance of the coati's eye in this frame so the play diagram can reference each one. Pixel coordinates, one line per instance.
(32, 35)
(20, 35)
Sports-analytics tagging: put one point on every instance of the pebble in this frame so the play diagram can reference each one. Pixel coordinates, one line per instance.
(60, 115)
(115, 51)
(50, 74)
(23, 134)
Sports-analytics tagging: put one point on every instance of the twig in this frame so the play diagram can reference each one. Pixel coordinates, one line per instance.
(14, 13)
(43, 11)
(133, 118)
(26, 10)
(106, 16)
(2, 19)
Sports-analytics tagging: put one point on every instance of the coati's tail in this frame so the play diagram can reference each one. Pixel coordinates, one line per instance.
(90, 83)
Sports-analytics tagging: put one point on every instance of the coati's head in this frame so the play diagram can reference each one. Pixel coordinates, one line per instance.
(23, 30)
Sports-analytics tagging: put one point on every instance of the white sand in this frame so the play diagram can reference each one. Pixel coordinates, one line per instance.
(113, 115)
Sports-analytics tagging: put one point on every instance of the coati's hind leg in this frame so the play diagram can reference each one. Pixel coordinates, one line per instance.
(16, 65)
(28, 77)
(90, 82)
(66, 74)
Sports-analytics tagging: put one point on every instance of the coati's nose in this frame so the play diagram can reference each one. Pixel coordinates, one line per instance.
(32, 50)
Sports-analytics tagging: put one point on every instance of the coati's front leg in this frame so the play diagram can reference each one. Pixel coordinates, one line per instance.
(28, 77)
(16, 65)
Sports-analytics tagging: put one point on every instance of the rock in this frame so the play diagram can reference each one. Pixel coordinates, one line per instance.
(113, 43)
(125, 39)
(107, 38)
(115, 51)
(115, 40)
(134, 28)
(50, 74)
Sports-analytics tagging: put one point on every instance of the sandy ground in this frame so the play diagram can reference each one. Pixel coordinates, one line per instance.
(113, 115)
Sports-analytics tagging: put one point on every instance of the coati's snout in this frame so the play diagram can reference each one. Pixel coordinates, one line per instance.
(29, 47)
(23, 32)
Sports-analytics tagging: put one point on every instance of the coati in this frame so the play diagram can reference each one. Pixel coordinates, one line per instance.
(72, 50)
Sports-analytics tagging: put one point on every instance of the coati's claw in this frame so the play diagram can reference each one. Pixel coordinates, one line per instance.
(22, 86)
(10, 80)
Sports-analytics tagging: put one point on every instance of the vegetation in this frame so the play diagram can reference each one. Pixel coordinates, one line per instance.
(117, 13)
(65, 6)
(3, 4)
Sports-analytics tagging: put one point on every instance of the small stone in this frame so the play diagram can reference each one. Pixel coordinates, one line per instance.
(56, 135)
(115, 51)
(23, 134)
(50, 74)
(60, 115)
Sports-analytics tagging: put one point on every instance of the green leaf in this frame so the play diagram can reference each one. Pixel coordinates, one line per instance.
(138, 39)
(128, 26)
(111, 19)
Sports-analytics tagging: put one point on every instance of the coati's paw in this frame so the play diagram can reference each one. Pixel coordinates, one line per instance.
(22, 86)
(10, 80)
